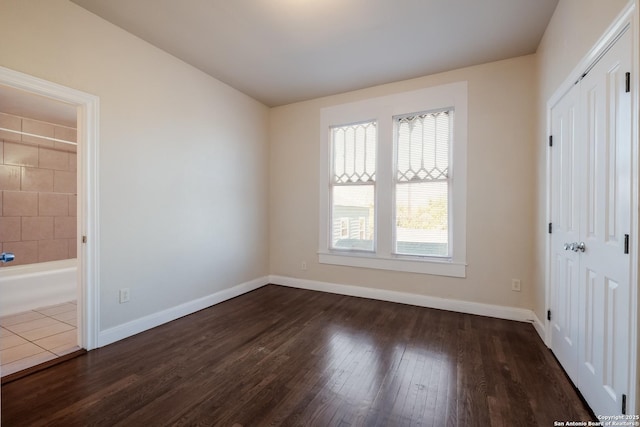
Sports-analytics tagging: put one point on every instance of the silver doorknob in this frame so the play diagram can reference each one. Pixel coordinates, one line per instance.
(7, 257)
(570, 246)
(575, 247)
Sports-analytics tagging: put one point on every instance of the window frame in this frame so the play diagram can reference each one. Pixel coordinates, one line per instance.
(383, 110)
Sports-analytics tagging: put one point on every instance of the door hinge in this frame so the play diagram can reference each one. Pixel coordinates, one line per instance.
(627, 82)
(624, 404)
(550, 228)
(84, 239)
(550, 140)
(626, 243)
(548, 314)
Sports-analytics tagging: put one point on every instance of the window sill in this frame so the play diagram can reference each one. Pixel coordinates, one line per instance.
(427, 266)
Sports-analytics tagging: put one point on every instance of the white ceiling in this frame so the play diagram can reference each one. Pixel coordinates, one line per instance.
(282, 51)
(26, 104)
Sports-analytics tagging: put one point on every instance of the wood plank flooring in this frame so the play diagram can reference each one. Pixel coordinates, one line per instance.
(288, 357)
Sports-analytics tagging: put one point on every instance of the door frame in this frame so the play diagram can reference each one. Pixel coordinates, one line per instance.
(628, 18)
(87, 179)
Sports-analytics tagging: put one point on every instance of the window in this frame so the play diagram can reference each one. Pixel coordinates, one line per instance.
(362, 229)
(353, 176)
(422, 184)
(344, 229)
(393, 182)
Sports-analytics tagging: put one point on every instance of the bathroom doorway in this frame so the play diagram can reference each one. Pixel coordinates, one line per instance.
(48, 225)
(38, 230)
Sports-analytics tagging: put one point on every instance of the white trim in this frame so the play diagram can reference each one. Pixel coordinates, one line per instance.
(623, 20)
(539, 327)
(467, 307)
(547, 240)
(627, 18)
(88, 137)
(145, 323)
(382, 110)
(89, 211)
(631, 14)
(634, 399)
(363, 260)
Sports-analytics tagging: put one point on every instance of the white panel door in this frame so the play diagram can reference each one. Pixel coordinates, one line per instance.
(605, 298)
(566, 228)
(591, 214)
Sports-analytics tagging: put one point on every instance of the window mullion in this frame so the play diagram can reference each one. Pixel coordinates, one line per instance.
(384, 186)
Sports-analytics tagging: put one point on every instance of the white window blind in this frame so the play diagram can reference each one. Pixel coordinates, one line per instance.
(353, 175)
(422, 184)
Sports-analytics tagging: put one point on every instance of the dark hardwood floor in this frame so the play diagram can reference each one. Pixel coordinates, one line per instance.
(281, 356)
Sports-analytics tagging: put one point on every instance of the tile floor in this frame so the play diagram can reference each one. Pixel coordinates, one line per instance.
(33, 337)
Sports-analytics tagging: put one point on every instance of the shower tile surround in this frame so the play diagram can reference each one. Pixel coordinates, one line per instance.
(37, 336)
(37, 191)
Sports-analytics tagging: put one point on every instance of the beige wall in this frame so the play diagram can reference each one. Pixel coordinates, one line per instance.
(37, 191)
(574, 28)
(501, 178)
(183, 161)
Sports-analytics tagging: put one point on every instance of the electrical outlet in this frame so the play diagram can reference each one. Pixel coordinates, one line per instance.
(303, 265)
(516, 285)
(124, 295)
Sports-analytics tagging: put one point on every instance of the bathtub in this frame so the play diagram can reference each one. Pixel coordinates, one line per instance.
(25, 287)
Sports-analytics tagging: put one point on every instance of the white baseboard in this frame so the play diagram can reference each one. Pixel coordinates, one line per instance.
(489, 310)
(540, 328)
(133, 327)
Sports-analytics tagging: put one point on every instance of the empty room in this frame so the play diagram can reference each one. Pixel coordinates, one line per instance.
(319, 213)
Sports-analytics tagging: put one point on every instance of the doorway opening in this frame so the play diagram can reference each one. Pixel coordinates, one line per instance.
(50, 221)
(38, 229)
